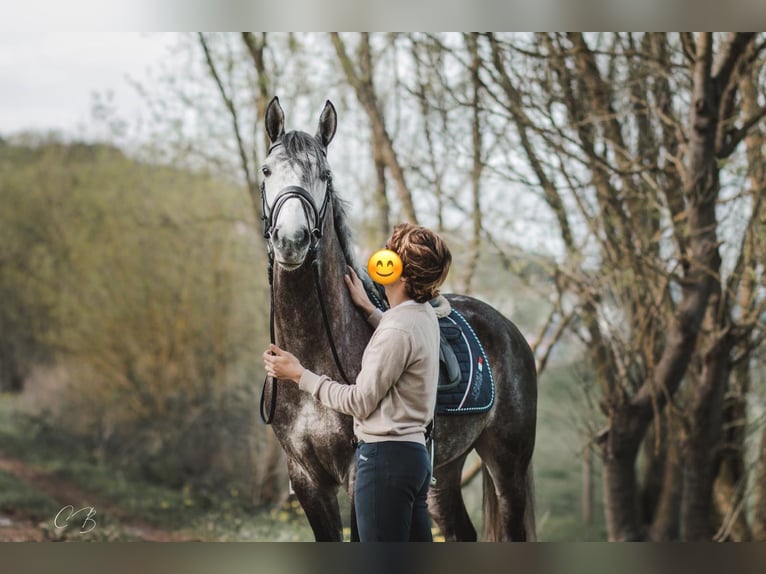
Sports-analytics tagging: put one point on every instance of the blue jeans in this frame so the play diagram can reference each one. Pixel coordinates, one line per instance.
(390, 490)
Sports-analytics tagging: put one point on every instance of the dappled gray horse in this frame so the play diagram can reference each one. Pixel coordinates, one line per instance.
(314, 318)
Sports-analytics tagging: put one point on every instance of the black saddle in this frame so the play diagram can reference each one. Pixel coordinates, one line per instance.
(449, 367)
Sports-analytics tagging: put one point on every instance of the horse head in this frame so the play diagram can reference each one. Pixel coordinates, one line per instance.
(296, 185)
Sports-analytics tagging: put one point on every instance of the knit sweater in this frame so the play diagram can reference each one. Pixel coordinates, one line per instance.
(395, 392)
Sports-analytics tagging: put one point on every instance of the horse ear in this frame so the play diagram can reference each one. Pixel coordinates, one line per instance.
(275, 120)
(328, 123)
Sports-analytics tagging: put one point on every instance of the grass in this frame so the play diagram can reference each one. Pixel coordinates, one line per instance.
(18, 497)
(222, 518)
(562, 412)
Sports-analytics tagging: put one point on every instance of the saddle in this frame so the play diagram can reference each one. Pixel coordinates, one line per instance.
(449, 335)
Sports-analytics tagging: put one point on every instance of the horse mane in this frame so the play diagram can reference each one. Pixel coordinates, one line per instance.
(342, 229)
(345, 238)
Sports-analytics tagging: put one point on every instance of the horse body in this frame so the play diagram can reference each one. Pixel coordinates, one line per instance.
(316, 439)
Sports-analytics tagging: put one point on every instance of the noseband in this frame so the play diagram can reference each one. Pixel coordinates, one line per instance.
(314, 217)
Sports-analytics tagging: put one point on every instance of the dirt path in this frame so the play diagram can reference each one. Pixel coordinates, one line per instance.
(17, 527)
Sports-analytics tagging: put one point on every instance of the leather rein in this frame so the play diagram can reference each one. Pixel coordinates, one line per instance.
(315, 218)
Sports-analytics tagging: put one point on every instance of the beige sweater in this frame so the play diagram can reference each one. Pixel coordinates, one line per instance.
(395, 392)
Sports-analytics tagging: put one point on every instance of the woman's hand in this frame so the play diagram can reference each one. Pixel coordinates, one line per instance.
(282, 365)
(357, 291)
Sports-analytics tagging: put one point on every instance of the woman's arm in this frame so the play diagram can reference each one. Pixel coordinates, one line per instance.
(385, 359)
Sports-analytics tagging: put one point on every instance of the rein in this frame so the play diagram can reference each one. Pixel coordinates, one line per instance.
(309, 208)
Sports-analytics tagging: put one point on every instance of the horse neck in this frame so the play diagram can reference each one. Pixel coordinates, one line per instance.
(298, 318)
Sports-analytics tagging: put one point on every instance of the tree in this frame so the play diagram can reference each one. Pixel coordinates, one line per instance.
(362, 80)
(635, 175)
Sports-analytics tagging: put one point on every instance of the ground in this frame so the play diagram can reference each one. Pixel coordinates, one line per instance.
(16, 525)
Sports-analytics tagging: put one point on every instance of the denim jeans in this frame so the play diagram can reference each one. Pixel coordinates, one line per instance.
(392, 479)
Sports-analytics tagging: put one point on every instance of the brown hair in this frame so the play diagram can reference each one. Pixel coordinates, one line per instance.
(425, 257)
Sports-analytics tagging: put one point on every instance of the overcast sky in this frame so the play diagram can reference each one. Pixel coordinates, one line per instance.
(47, 80)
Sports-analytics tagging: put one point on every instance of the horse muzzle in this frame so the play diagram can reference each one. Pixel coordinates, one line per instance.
(290, 251)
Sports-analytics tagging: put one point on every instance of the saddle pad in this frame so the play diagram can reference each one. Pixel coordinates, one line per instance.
(476, 391)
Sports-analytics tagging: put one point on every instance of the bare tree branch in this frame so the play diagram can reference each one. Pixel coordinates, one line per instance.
(252, 184)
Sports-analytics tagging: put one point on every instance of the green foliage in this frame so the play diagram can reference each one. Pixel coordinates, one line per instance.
(144, 283)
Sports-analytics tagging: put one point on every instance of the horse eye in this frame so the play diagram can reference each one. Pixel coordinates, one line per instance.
(265, 171)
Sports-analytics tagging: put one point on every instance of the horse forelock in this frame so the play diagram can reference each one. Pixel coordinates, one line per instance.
(305, 152)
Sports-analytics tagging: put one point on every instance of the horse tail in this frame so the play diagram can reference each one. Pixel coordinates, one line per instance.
(530, 525)
(493, 529)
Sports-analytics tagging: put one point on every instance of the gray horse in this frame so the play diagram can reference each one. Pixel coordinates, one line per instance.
(310, 248)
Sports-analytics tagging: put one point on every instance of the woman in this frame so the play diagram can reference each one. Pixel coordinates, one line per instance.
(394, 396)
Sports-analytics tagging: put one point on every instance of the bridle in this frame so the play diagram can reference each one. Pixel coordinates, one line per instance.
(315, 218)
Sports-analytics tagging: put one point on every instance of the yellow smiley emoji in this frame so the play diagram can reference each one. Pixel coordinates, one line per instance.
(384, 267)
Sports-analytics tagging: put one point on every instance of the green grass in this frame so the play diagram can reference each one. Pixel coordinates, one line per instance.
(16, 497)
(217, 516)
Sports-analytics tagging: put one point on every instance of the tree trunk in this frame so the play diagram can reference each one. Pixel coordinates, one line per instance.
(729, 486)
(741, 286)
(666, 520)
(623, 515)
(654, 450)
(704, 440)
(587, 485)
(759, 520)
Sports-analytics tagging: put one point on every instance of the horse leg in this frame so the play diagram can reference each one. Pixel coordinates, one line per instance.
(354, 526)
(508, 511)
(445, 503)
(320, 503)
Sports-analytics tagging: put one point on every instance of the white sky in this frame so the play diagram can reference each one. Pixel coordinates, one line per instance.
(47, 80)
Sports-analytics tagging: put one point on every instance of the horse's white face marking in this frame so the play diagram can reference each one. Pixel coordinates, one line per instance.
(293, 226)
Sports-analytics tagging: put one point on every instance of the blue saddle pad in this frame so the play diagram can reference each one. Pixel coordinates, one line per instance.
(476, 391)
